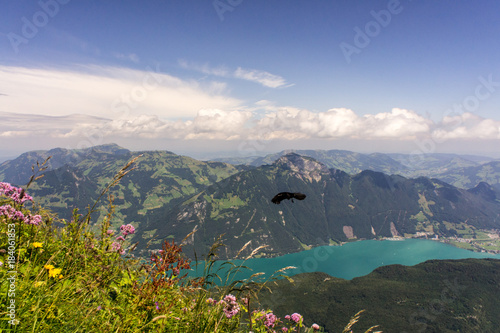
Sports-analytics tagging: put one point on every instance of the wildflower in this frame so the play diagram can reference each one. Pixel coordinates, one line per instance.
(55, 272)
(110, 232)
(315, 327)
(296, 317)
(18, 195)
(11, 213)
(49, 267)
(284, 329)
(287, 317)
(127, 229)
(231, 307)
(115, 246)
(99, 308)
(37, 244)
(120, 238)
(1, 264)
(33, 219)
(270, 320)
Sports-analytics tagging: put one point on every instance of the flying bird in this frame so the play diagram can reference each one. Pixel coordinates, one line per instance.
(287, 195)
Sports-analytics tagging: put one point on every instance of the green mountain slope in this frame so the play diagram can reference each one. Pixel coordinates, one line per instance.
(75, 179)
(434, 296)
(338, 207)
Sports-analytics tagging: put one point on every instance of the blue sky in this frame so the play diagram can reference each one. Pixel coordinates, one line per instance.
(251, 77)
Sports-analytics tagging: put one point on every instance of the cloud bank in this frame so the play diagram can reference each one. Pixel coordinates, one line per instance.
(38, 105)
(107, 92)
(281, 124)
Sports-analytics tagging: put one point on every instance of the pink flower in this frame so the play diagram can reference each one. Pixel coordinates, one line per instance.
(120, 238)
(110, 232)
(33, 219)
(315, 327)
(115, 246)
(296, 317)
(127, 229)
(270, 320)
(231, 307)
(18, 195)
(12, 213)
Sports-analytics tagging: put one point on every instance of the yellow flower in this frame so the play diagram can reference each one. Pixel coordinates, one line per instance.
(49, 267)
(37, 244)
(60, 276)
(54, 272)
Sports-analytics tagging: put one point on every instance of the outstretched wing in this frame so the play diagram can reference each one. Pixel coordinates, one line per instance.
(279, 197)
(299, 196)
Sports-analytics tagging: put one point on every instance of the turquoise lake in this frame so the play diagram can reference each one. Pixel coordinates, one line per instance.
(357, 258)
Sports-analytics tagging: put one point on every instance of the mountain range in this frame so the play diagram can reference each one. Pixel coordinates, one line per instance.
(168, 196)
(464, 171)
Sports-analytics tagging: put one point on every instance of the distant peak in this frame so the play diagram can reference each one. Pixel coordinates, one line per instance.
(302, 165)
(484, 190)
(110, 148)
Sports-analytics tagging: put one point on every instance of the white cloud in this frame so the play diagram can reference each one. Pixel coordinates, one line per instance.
(264, 78)
(467, 126)
(399, 123)
(341, 123)
(254, 75)
(24, 125)
(107, 91)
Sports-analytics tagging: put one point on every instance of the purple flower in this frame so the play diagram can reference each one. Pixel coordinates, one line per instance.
(33, 219)
(296, 317)
(12, 213)
(18, 195)
(99, 308)
(127, 229)
(231, 307)
(117, 247)
(270, 320)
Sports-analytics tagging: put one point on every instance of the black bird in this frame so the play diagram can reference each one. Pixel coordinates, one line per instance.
(287, 195)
